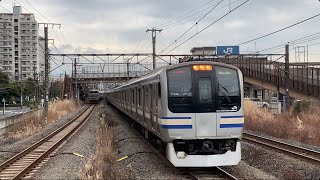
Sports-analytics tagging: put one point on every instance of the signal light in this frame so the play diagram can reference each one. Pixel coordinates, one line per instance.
(202, 67)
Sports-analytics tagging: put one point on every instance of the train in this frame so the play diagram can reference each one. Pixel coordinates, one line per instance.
(94, 96)
(194, 111)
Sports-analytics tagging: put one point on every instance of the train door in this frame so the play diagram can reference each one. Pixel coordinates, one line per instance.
(136, 103)
(131, 101)
(143, 104)
(154, 106)
(206, 119)
(158, 102)
(149, 106)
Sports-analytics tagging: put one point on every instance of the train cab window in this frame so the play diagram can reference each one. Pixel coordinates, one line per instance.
(180, 82)
(146, 99)
(228, 86)
(228, 81)
(205, 91)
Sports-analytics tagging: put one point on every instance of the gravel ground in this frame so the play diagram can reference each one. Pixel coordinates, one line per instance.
(277, 164)
(149, 164)
(9, 148)
(145, 162)
(63, 165)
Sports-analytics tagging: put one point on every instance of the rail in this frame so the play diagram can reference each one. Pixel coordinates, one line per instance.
(21, 164)
(286, 148)
(210, 173)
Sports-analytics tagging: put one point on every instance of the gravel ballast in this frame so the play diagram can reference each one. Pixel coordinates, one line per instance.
(9, 148)
(145, 162)
(277, 164)
(65, 165)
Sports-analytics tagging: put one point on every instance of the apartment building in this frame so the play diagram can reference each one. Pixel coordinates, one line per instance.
(21, 53)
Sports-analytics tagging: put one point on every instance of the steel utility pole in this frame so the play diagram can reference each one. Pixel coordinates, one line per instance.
(46, 71)
(287, 71)
(154, 36)
(46, 64)
(75, 76)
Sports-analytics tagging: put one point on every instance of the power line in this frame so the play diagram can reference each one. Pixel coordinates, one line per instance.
(46, 20)
(38, 11)
(280, 29)
(216, 5)
(209, 25)
(40, 20)
(172, 25)
(177, 18)
(4, 8)
(304, 39)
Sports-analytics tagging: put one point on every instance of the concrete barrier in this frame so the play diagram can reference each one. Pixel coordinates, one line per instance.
(9, 121)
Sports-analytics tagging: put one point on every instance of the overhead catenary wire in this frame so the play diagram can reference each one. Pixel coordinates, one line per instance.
(186, 20)
(216, 5)
(209, 25)
(304, 39)
(4, 8)
(187, 13)
(56, 34)
(282, 29)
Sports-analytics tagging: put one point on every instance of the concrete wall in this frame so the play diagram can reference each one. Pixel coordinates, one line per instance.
(7, 122)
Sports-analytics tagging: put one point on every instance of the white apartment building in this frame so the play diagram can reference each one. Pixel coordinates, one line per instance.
(21, 53)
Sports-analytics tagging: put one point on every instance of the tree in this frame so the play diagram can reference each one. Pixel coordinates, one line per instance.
(29, 87)
(4, 80)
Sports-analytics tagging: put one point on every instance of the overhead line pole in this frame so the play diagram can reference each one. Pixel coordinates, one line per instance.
(154, 36)
(47, 65)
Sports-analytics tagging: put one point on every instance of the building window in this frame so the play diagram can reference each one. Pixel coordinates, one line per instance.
(15, 20)
(16, 28)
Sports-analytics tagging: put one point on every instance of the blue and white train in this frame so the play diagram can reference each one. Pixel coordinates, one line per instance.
(193, 110)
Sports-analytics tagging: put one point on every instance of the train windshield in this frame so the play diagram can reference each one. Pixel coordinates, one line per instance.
(180, 83)
(212, 90)
(228, 81)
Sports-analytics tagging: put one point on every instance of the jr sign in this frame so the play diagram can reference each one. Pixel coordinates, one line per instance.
(228, 50)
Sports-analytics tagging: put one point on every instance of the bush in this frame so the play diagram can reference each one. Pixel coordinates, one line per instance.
(300, 123)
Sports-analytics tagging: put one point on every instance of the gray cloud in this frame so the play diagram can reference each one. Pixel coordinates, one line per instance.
(119, 25)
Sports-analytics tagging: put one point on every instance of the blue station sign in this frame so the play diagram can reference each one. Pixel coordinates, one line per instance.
(228, 50)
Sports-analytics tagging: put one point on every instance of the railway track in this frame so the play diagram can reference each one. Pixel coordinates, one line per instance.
(27, 162)
(289, 149)
(214, 173)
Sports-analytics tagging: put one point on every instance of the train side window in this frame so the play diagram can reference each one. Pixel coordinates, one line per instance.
(127, 93)
(132, 94)
(139, 97)
(159, 90)
(146, 97)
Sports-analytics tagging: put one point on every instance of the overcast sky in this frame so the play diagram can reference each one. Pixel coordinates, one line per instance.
(113, 26)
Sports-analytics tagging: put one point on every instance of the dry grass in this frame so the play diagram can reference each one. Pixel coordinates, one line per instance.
(297, 126)
(34, 121)
(103, 163)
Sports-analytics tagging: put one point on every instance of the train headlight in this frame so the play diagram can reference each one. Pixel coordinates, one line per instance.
(181, 155)
(202, 67)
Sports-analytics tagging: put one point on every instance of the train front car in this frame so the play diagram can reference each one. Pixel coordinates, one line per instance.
(94, 96)
(204, 120)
